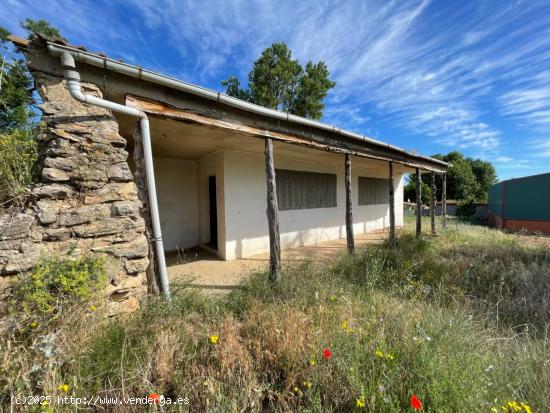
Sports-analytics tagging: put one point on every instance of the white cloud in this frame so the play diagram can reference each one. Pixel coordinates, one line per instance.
(442, 71)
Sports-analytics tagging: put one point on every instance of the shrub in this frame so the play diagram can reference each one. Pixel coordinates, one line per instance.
(18, 156)
(465, 208)
(56, 283)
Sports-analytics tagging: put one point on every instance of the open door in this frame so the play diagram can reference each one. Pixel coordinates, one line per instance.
(213, 212)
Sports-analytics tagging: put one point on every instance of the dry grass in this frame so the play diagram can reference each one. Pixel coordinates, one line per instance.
(430, 307)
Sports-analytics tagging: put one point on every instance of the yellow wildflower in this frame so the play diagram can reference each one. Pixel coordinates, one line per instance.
(379, 353)
(307, 384)
(93, 308)
(214, 339)
(34, 324)
(526, 407)
(44, 402)
(63, 388)
(494, 410)
(296, 389)
(390, 356)
(360, 402)
(312, 362)
(332, 298)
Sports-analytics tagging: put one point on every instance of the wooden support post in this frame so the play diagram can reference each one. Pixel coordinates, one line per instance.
(349, 212)
(432, 204)
(392, 207)
(418, 203)
(272, 214)
(444, 202)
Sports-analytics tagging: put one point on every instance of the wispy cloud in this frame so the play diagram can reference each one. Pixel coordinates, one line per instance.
(449, 76)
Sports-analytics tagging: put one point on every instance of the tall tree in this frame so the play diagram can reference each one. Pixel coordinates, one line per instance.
(467, 179)
(16, 87)
(277, 81)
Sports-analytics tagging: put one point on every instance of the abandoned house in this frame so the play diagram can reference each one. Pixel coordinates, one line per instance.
(131, 156)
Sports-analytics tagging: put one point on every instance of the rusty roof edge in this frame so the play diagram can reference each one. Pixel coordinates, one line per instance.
(100, 60)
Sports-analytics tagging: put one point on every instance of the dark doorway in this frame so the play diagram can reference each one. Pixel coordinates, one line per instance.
(213, 212)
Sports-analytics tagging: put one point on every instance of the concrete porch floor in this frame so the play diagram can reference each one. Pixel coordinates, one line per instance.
(203, 270)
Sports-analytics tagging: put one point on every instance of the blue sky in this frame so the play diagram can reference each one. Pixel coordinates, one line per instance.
(431, 76)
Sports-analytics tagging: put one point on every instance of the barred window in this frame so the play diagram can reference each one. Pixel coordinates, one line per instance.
(305, 190)
(373, 191)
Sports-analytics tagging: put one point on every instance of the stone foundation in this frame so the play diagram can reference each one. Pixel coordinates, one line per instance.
(87, 201)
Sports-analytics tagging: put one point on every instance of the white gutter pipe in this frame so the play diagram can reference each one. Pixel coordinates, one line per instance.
(73, 84)
(146, 75)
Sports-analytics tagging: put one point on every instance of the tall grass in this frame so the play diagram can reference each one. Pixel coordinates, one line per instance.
(426, 319)
(18, 156)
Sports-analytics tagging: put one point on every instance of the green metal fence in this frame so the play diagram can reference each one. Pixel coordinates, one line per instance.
(522, 199)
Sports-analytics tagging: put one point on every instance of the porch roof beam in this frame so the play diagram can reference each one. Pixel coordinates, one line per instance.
(164, 111)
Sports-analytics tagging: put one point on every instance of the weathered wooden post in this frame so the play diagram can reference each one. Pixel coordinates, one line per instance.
(444, 202)
(349, 212)
(418, 203)
(432, 204)
(272, 214)
(392, 207)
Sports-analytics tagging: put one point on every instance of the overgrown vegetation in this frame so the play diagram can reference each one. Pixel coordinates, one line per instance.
(468, 179)
(53, 286)
(18, 157)
(19, 122)
(459, 321)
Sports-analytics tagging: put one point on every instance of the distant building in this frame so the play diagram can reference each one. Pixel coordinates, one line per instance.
(522, 203)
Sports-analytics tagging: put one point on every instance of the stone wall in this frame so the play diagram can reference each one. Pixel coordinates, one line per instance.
(87, 201)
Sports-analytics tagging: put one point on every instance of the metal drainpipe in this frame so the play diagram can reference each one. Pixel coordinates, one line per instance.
(73, 84)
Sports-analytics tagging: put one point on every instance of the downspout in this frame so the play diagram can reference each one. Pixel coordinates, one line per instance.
(73, 84)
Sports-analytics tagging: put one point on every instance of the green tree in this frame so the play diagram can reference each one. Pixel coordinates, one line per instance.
(467, 178)
(15, 97)
(277, 81)
(40, 26)
(409, 191)
(485, 175)
(18, 121)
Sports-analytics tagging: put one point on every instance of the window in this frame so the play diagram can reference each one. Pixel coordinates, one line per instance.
(373, 191)
(305, 190)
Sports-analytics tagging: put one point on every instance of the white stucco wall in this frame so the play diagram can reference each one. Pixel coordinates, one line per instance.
(245, 205)
(176, 181)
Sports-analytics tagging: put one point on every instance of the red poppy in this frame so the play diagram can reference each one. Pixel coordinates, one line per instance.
(326, 353)
(153, 398)
(415, 403)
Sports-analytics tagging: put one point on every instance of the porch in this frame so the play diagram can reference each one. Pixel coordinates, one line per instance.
(204, 270)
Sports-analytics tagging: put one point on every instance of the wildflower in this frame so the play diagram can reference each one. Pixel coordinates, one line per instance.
(63, 388)
(153, 398)
(390, 357)
(214, 339)
(205, 383)
(360, 403)
(93, 308)
(416, 404)
(312, 362)
(494, 410)
(296, 389)
(326, 353)
(344, 324)
(34, 324)
(307, 384)
(379, 353)
(332, 298)
(44, 402)
(526, 407)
